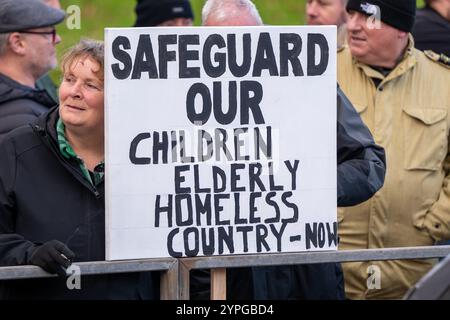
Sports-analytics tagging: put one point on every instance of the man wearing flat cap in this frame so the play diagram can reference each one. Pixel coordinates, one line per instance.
(164, 13)
(27, 52)
(46, 82)
(402, 96)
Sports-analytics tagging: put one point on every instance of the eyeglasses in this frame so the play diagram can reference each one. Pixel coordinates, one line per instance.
(52, 32)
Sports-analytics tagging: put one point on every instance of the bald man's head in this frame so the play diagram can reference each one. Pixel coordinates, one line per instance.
(230, 13)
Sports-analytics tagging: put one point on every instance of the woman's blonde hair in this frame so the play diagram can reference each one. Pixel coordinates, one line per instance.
(86, 48)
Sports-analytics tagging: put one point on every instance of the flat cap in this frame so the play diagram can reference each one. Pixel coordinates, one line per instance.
(19, 15)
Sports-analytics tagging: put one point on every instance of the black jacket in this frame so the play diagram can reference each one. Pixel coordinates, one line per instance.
(20, 105)
(361, 167)
(44, 197)
(432, 31)
(361, 164)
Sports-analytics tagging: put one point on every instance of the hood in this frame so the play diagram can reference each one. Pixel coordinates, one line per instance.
(11, 90)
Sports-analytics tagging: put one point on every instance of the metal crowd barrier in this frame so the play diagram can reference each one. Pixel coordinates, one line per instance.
(175, 275)
(169, 276)
(217, 264)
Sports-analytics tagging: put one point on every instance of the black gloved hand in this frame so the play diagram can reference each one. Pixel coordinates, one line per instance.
(52, 256)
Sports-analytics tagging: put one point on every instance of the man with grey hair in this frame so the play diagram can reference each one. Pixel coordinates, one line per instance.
(27, 52)
(230, 13)
(360, 173)
(46, 83)
(328, 12)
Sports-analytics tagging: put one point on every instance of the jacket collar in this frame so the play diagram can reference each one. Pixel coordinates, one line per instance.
(407, 62)
(45, 125)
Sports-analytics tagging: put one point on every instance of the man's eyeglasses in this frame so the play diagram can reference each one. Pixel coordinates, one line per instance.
(52, 32)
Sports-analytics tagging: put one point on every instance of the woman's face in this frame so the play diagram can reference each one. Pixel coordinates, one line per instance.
(81, 96)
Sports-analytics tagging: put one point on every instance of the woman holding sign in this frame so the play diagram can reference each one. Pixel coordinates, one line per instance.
(52, 206)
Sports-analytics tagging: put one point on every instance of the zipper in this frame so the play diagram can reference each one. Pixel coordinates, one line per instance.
(42, 133)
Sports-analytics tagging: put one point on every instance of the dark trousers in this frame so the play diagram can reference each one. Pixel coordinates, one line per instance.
(323, 281)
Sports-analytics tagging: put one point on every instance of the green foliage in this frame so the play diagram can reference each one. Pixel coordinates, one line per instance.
(95, 16)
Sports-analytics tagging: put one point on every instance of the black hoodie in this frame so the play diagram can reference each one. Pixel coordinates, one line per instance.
(20, 105)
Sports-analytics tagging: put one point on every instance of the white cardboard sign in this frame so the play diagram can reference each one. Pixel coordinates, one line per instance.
(220, 141)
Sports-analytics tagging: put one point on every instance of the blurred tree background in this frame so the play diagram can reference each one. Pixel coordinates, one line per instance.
(99, 14)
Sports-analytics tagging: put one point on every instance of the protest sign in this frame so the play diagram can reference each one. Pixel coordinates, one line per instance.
(220, 141)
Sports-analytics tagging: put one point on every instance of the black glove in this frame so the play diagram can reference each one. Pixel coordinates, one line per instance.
(52, 256)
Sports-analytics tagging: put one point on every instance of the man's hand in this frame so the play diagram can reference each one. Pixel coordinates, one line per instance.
(52, 256)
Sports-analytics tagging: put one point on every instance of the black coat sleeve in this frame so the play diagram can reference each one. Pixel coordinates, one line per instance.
(14, 249)
(361, 164)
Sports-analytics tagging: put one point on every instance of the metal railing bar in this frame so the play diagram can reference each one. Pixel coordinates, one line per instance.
(316, 257)
(91, 268)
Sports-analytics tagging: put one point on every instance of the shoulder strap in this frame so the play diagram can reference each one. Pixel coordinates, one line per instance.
(439, 58)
